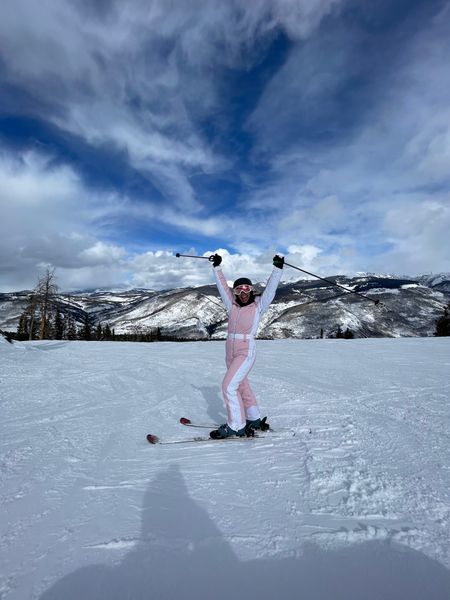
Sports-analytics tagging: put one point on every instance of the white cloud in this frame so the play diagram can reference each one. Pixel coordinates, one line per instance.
(133, 74)
(140, 78)
(307, 254)
(48, 218)
(336, 197)
(420, 237)
(162, 270)
(102, 254)
(158, 270)
(91, 278)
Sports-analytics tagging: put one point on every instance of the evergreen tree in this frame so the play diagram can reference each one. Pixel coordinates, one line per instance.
(8, 335)
(107, 335)
(136, 334)
(348, 334)
(443, 323)
(58, 329)
(339, 333)
(71, 329)
(22, 328)
(99, 332)
(86, 330)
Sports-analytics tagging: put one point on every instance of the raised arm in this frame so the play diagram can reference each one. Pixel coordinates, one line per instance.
(221, 282)
(272, 283)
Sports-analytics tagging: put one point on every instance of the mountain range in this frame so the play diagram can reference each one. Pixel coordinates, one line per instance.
(302, 309)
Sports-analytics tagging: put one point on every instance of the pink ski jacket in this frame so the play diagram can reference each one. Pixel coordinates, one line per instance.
(244, 320)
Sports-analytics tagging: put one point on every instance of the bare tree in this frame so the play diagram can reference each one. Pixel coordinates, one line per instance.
(28, 323)
(45, 290)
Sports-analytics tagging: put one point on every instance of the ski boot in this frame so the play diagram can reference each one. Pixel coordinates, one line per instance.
(225, 431)
(260, 424)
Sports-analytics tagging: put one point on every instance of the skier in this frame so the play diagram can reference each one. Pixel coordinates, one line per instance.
(245, 311)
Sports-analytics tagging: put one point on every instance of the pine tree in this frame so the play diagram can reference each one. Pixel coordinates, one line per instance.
(339, 333)
(58, 329)
(99, 332)
(348, 334)
(22, 328)
(107, 332)
(443, 323)
(71, 329)
(86, 330)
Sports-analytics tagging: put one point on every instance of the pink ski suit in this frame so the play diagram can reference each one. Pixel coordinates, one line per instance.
(243, 324)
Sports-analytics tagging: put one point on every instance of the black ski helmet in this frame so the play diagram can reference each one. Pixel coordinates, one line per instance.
(242, 281)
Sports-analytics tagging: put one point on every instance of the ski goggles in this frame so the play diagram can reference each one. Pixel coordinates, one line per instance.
(243, 289)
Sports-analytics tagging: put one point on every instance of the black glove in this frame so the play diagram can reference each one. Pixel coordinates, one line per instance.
(278, 261)
(217, 259)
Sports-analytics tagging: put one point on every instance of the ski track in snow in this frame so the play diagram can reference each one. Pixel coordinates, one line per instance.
(80, 486)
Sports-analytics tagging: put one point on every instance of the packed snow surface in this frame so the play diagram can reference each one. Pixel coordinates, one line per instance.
(355, 505)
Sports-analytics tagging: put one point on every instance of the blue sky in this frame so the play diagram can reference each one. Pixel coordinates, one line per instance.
(132, 130)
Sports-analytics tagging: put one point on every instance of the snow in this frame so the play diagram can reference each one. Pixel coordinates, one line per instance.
(410, 286)
(355, 505)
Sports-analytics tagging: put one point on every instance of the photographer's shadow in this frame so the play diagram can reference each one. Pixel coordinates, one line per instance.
(182, 554)
(215, 409)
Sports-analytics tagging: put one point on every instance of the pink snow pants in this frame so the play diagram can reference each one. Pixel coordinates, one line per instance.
(240, 401)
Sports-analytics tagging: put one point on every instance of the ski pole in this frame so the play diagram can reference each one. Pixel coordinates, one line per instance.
(376, 302)
(210, 258)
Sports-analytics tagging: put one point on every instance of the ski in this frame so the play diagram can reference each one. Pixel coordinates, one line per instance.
(154, 439)
(188, 423)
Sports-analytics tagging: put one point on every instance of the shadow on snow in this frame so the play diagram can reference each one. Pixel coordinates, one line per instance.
(214, 402)
(182, 554)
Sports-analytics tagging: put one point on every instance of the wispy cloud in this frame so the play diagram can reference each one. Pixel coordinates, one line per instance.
(139, 75)
(135, 129)
(396, 154)
(49, 219)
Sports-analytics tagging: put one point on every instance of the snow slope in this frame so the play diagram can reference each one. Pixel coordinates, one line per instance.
(355, 506)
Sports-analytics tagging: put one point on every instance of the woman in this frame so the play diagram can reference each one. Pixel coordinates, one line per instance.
(244, 311)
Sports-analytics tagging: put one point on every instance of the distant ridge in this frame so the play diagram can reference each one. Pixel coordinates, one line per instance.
(302, 309)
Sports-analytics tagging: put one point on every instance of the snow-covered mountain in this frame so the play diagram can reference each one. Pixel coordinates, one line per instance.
(408, 307)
